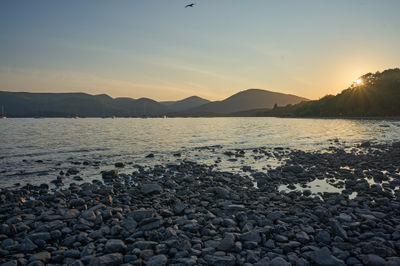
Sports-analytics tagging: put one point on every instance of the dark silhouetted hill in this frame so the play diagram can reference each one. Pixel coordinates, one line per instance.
(246, 100)
(185, 104)
(24, 104)
(377, 95)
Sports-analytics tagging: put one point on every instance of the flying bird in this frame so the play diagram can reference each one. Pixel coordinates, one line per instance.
(190, 5)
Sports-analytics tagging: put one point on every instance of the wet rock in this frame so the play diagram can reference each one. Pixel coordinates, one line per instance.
(120, 165)
(40, 236)
(41, 256)
(27, 246)
(157, 260)
(373, 260)
(227, 243)
(115, 246)
(338, 229)
(323, 236)
(113, 259)
(302, 237)
(220, 260)
(72, 171)
(142, 214)
(151, 189)
(253, 236)
(278, 261)
(325, 258)
(179, 207)
(110, 175)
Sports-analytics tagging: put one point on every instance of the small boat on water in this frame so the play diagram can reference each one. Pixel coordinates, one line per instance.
(3, 116)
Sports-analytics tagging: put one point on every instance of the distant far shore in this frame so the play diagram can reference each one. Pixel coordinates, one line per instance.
(394, 118)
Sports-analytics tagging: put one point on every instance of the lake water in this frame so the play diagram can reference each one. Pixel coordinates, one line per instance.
(35, 150)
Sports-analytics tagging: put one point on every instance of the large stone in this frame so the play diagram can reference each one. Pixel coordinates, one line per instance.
(373, 260)
(324, 257)
(323, 236)
(253, 236)
(108, 260)
(338, 229)
(26, 246)
(142, 214)
(178, 207)
(145, 244)
(40, 236)
(302, 237)
(42, 256)
(110, 175)
(220, 260)
(227, 242)
(115, 246)
(89, 216)
(278, 261)
(151, 189)
(158, 260)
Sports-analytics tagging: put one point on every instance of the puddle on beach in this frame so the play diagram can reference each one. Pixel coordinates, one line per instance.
(318, 186)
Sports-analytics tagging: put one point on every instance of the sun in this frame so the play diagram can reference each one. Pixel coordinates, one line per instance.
(358, 81)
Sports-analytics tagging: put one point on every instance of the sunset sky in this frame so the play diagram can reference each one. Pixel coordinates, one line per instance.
(159, 49)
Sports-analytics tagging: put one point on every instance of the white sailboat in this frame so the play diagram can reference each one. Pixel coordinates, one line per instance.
(3, 116)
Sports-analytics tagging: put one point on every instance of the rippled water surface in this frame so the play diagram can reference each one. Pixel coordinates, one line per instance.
(35, 150)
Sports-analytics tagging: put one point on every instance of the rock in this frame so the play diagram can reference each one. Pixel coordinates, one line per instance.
(142, 214)
(108, 260)
(220, 260)
(324, 257)
(323, 236)
(77, 178)
(338, 229)
(42, 256)
(142, 244)
(253, 236)
(157, 260)
(72, 171)
(365, 144)
(26, 246)
(278, 261)
(110, 175)
(227, 243)
(10, 263)
(373, 260)
(8, 244)
(115, 246)
(151, 188)
(302, 237)
(178, 207)
(89, 215)
(150, 155)
(222, 192)
(40, 236)
(77, 202)
(345, 218)
(120, 165)
(293, 168)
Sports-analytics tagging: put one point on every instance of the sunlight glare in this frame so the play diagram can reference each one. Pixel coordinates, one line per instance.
(358, 81)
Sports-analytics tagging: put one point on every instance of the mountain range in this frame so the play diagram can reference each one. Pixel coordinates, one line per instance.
(25, 104)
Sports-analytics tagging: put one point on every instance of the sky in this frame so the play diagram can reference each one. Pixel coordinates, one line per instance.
(161, 50)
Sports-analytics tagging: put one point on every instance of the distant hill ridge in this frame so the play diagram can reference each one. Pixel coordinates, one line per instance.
(246, 100)
(25, 104)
